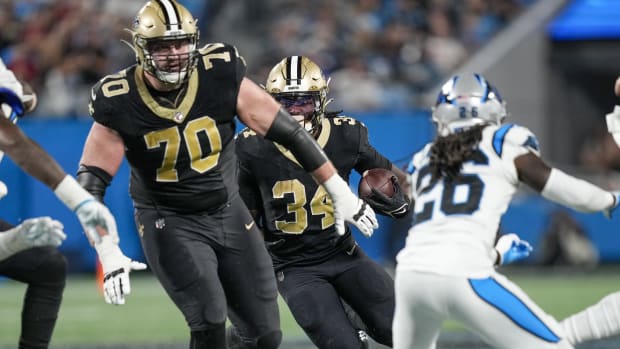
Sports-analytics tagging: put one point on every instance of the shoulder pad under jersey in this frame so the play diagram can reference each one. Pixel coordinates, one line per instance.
(515, 136)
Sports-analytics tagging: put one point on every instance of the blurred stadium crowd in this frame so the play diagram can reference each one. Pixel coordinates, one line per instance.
(381, 54)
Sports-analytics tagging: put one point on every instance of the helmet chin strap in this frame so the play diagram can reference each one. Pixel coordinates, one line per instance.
(157, 83)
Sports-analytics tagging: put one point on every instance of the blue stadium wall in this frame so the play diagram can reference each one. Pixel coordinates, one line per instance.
(395, 135)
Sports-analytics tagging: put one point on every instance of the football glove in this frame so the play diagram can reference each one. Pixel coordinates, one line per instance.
(396, 206)
(4, 190)
(11, 91)
(116, 268)
(613, 124)
(100, 227)
(511, 248)
(33, 232)
(614, 207)
(349, 208)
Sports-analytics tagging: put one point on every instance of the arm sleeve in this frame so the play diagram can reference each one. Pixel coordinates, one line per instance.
(369, 157)
(288, 132)
(576, 193)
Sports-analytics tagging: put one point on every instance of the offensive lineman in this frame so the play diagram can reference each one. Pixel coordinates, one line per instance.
(172, 115)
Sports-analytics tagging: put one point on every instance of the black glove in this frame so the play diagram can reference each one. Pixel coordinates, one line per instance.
(396, 206)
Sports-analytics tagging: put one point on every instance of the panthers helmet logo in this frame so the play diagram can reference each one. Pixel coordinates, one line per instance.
(165, 36)
(466, 100)
(300, 86)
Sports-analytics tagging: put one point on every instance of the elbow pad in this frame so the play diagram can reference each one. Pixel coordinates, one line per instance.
(576, 193)
(289, 133)
(95, 180)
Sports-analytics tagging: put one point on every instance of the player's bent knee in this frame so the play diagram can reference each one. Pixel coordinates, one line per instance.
(270, 340)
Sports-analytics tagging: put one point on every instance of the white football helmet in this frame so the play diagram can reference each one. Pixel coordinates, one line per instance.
(467, 100)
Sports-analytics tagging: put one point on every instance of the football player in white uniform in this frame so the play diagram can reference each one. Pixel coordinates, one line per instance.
(462, 184)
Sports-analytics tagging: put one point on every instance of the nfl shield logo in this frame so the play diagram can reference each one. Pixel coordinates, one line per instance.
(178, 116)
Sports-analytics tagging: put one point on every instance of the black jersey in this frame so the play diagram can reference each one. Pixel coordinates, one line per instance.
(297, 213)
(182, 158)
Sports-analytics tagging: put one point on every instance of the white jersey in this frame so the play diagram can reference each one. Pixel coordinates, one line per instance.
(456, 222)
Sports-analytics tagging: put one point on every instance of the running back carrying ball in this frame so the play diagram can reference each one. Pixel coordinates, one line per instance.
(379, 179)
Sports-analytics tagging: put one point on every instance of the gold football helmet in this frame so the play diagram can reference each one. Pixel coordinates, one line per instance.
(300, 86)
(161, 28)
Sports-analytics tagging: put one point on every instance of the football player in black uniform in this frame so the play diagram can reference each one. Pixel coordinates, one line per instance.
(315, 265)
(172, 115)
(28, 252)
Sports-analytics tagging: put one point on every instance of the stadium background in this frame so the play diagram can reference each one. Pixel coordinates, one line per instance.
(555, 62)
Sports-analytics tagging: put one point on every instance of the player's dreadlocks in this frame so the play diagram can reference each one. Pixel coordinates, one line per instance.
(449, 152)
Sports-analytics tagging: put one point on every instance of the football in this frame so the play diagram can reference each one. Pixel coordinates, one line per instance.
(377, 178)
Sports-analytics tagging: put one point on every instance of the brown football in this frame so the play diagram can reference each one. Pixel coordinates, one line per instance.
(377, 178)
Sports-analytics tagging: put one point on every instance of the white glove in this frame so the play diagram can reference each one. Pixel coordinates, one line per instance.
(100, 228)
(613, 124)
(116, 268)
(11, 91)
(33, 232)
(348, 207)
(511, 248)
(612, 209)
(3, 188)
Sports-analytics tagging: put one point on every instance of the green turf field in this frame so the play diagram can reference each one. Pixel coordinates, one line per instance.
(149, 317)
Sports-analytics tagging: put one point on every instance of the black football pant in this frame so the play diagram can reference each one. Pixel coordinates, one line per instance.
(213, 265)
(44, 270)
(313, 294)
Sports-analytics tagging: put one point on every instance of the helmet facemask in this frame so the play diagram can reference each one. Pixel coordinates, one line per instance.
(306, 107)
(167, 66)
(299, 85)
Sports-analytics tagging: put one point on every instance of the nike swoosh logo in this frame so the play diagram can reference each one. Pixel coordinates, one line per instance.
(249, 226)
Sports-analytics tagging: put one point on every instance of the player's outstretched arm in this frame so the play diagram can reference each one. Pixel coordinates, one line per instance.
(97, 221)
(103, 153)
(562, 188)
(259, 111)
